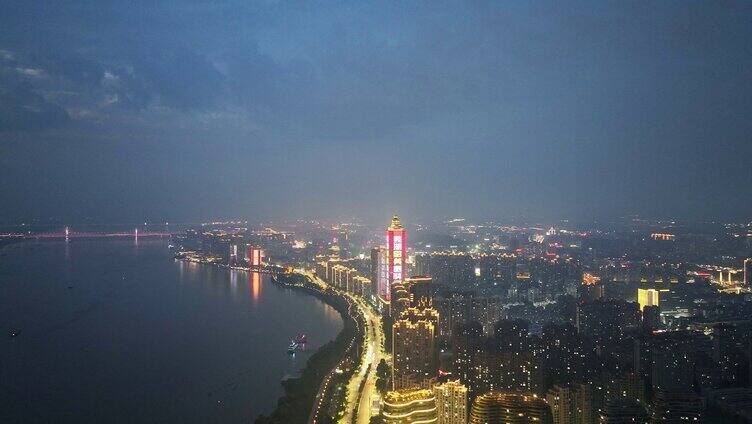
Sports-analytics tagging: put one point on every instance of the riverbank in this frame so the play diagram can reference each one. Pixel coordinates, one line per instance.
(322, 380)
(319, 394)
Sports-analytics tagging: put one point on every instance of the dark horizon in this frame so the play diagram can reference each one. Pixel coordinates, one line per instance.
(184, 111)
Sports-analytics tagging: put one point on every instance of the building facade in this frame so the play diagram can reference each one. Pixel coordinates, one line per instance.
(451, 402)
(510, 408)
(396, 256)
(414, 349)
(409, 406)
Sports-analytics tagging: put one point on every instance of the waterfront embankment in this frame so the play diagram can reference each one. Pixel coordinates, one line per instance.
(319, 394)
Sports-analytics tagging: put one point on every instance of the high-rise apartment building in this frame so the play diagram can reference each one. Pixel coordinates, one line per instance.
(730, 353)
(453, 270)
(414, 348)
(588, 402)
(563, 404)
(676, 406)
(503, 362)
(672, 361)
(582, 403)
(400, 299)
(467, 341)
(421, 290)
(624, 411)
(460, 308)
(383, 287)
(451, 402)
(607, 320)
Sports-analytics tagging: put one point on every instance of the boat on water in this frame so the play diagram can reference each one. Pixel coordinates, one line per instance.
(291, 376)
(297, 344)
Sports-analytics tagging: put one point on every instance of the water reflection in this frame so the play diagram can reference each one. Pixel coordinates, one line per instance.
(67, 250)
(181, 268)
(234, 281)
(254, 282)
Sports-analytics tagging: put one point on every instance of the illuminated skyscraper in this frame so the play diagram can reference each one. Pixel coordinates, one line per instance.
(451, 402)
(396, 242)
(255, 255)
(748, 271)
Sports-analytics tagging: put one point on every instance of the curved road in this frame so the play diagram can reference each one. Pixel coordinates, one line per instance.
(318, 401)
(373, 354)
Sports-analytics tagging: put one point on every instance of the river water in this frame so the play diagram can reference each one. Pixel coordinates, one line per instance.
(118, 331)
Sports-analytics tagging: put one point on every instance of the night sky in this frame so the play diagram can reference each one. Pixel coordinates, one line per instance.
(184, 111)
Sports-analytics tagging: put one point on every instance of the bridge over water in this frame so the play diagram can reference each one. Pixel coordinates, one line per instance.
(68, 234)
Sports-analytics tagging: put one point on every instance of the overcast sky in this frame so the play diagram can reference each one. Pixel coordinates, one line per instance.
(183, 111)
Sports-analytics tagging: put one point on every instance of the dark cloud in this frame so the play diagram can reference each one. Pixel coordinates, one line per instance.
(183, 80)
(581, 109)
(21, 109)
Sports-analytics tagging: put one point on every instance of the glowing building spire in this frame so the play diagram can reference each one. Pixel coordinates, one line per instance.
(396, 243)
(396, 224)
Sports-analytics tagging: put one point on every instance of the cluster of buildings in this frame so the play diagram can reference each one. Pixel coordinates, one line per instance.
(423, 392)
(344, 275)
(641, 323)
(231, 248)
(464, 352)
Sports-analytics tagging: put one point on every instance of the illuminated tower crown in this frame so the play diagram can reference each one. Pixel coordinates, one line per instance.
(396, 224)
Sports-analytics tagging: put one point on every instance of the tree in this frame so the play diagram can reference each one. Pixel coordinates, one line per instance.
(382, 376)
(377, 419)
(382, 369)
(386, 325)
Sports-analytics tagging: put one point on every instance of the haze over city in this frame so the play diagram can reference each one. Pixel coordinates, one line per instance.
(319, 212)
(124, 112)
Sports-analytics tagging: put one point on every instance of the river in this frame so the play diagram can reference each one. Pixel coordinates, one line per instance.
(118, 331)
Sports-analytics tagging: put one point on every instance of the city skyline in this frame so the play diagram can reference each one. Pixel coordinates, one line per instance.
(481, 323)
(324, 212)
